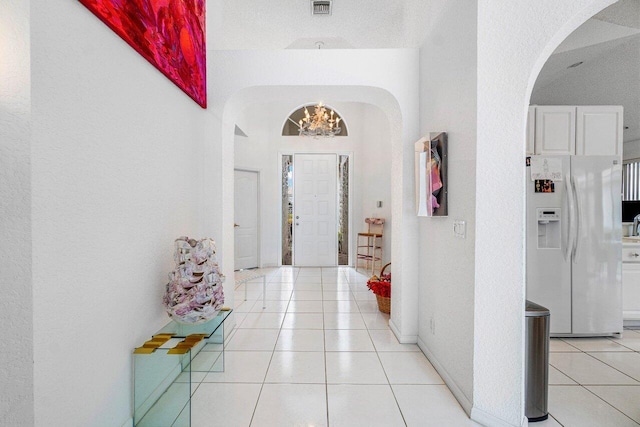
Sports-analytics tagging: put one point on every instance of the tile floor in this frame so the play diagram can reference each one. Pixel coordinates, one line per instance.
(321, 354)
(594, 381)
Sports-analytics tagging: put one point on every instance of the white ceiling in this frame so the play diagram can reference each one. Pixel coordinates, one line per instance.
(608, 45)
(624, 12)
(281, 24)
(609, 41)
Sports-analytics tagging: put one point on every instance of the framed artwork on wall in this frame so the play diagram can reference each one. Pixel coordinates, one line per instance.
(431, 175)
(169, 34)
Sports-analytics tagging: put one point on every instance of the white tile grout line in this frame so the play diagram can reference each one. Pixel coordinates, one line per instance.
(584, 386)
(617, 409)
(355, 282)
(324, 355)
(275, 344)
(350, 290)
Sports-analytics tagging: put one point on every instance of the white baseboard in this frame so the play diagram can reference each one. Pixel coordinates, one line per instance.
(632, 323)
(128, 423)
(486, 419)
(477, 415)
(457, 392)
(403, 339)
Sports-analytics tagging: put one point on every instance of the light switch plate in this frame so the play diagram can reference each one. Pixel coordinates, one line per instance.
(460, 229)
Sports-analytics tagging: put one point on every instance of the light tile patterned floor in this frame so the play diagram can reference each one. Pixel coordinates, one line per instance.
(594, 382)
(320, 354)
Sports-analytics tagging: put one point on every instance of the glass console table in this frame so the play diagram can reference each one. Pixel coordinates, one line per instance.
(163, 367)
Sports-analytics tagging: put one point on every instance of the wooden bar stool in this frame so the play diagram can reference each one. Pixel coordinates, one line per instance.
(369, 244)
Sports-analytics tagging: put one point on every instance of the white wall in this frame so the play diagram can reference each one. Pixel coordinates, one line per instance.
(386, 78)
(115, 175)
(368, 142)
(448, 103)
(16, 303)
(119, 155)
(514, 41)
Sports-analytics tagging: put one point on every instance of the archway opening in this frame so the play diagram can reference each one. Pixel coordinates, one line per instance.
(364, 150)
(582, 125)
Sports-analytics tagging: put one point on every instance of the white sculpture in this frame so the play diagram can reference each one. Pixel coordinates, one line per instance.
(194, 293)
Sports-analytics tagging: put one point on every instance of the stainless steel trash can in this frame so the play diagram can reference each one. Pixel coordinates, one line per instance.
(536, 362)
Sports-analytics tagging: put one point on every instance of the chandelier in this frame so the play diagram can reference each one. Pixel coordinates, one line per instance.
(320, 123)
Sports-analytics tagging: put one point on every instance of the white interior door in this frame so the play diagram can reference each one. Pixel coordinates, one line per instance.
(315, 241)
(246, 219)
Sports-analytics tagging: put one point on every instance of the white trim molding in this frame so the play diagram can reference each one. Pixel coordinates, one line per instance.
(486, 419)
(466, 404)
(403, 339)
(478, 415)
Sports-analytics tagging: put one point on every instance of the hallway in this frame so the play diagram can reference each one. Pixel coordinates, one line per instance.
(320, 354)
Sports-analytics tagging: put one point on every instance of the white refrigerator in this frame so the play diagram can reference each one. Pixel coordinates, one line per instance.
(574, 242)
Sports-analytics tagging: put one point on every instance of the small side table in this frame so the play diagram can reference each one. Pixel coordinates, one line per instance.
(163, 367)
(245, 276)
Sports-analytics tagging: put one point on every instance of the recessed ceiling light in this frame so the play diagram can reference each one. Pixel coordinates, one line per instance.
(577, 64)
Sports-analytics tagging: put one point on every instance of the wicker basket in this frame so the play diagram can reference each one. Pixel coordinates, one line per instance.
(384, 304)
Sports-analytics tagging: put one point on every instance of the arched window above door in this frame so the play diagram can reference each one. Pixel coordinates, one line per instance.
(315, 120)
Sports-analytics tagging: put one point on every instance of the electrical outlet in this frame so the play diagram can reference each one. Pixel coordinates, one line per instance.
(460, 229)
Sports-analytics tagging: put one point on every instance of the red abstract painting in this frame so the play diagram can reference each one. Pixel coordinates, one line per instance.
(170, 34)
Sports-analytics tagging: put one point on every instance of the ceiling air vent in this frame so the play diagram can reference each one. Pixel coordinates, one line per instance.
(321, 7)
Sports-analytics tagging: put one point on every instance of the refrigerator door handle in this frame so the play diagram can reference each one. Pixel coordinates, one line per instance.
(568, 237)
(578, 220)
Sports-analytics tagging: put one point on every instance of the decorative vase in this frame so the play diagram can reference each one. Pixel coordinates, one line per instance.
(194, 293)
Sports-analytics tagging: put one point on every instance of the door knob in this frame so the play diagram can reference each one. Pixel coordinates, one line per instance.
(297, 217)
(235, 225)
(297, 223)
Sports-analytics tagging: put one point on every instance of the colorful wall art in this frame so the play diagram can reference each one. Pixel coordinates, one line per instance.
(170, 34)
(431, 175)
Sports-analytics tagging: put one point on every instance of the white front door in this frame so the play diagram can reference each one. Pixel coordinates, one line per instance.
(314, 210)
(246, 219)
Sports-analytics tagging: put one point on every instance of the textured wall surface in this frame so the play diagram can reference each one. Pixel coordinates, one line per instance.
(16, 303)
(514, 41)
(114, 182)
(123, 162)
(448, 103)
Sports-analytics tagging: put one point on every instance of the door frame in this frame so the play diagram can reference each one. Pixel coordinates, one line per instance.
(258, 173)
(352, 160)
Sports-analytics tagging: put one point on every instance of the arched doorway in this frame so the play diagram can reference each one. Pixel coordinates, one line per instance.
(367, 149)
(334, 95)
(592, 75)
(321, 123)
(513, 44)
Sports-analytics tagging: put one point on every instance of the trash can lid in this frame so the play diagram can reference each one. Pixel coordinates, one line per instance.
(534, 310)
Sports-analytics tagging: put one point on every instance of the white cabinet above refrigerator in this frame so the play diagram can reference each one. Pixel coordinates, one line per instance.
(555, 130)
(575, 130)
